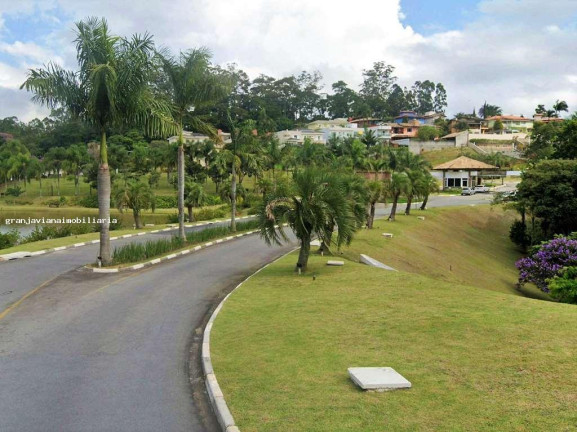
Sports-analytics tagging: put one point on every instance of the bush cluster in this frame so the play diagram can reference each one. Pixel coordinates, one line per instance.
(9, 239)
(134, 252)
(549, 264)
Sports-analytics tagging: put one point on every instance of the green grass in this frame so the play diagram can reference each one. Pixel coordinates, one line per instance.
(479, 359)
(464, 245)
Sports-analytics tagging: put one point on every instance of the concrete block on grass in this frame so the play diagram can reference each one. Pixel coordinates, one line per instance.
(335, 263)
(378, 378)
(421, 217)
(388, 235)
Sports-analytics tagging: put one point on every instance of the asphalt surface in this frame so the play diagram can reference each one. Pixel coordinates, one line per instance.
(111, 352)
(19, 277)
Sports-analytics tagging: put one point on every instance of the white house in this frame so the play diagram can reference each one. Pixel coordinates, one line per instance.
(298, 136)
(193, 138)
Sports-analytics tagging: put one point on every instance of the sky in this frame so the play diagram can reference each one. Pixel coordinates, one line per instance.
(512, 53)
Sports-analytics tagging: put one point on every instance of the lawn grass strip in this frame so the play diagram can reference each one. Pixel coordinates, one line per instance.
(216, 397)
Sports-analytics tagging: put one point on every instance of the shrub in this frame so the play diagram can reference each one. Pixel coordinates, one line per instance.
(518, 234)
(88, 201)
(207, 213)
(163, 202)
(9, 239)
(547, 260)
(212, 200)
(172, 218)
(564, 286)
(57, 202)
(14, 191)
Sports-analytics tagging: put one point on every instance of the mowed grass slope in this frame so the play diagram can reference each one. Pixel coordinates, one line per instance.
(466, 245)
(478, 359)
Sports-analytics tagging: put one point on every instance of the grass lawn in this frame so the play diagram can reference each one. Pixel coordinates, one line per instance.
(478, 357)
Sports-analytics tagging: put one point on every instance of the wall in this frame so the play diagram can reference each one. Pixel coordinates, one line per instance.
(417, 147)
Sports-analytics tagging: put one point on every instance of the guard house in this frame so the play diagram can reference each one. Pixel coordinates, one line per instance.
(465, 172)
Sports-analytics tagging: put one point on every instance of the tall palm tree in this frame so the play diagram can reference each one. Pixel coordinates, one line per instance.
(375, 194)
(193, 84)
(314, 198)
(110, 88)
(427, 186)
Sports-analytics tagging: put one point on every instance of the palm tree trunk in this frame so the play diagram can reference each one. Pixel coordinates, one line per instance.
(394, 207)
(408, 207)
(304, 253)
(233, 197)
(371, 216)
(181, 233)
(77, 184)
(424, 204)
(104, 202)
(190, 214)
(58, 182)
(137, 221)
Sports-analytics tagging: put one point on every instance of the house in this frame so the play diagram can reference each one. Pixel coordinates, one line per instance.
(298, 136)
(470, 123)
(543, 119)
(6, 136)
(405, 130)
(382, 131)
(510, 123)
(365, 122)
(193, 138)
(464, 171)
(326, 124)
(341, 132)
(408, 116)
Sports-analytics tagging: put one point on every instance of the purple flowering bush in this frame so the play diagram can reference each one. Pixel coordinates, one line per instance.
(548, 261)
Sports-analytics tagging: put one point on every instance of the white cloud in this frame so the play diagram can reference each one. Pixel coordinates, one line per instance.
(29, 51)
(499, 56)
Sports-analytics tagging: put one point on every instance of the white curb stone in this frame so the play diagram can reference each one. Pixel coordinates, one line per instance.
(335, 263)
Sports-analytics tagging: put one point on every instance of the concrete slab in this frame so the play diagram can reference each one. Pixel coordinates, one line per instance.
(378, 378)
(388, 235)
(421, 217)
(365, 259)
(315, 243)
(336, 263)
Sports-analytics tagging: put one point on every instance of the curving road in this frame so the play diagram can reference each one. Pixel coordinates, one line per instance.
(111, 352)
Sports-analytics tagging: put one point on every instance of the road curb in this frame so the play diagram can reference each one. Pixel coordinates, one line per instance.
(20, 255)
(215, 395)
(170, 256)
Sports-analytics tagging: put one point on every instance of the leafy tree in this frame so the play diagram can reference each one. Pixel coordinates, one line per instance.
(376, 87)
(427, 133)
(540, 109)
(341, 104)
(76, 158)
(498, 125)
(315, 198)
(548, 190)
(136, 196)
(55, 160)
(563, 286)
(110, 88)
(192, 84)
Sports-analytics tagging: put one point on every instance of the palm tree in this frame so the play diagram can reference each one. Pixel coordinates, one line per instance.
(192, 85)
(134, 195)
(375, 194)
(194, 197)
(560, 106)
(110, 88)
(397, 185)
(314, 198)
(427, 186)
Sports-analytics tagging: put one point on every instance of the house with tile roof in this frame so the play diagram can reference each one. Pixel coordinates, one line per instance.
(465, 172)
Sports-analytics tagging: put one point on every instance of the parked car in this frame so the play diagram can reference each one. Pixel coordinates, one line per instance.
(467, 191)
(481, 189)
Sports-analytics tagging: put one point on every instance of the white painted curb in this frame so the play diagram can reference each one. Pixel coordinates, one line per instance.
(9, 257)
(223, 414)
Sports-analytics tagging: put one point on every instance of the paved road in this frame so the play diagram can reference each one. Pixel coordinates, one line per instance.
(110, 352)
(19, 277)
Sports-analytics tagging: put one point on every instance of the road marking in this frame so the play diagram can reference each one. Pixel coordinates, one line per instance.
(19, 302)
